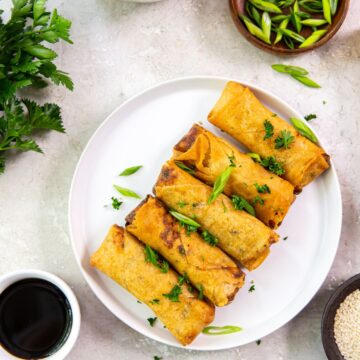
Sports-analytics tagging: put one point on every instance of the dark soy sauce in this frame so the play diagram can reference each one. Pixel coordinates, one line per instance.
(35, 319)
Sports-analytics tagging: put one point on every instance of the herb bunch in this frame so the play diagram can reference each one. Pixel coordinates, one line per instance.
(26, 62)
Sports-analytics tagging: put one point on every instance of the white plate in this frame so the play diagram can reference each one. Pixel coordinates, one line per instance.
(142, 131)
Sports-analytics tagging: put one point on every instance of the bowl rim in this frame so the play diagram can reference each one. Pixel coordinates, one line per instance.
(338, 296)
(10, 278)
(284, 51)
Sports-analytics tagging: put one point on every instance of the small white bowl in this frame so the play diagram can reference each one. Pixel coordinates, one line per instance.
(7, 279)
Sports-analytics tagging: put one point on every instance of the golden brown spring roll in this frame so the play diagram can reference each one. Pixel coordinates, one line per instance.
(209, 156)
(207, 267)
(239, 113)
(239, 234)
(122, 258)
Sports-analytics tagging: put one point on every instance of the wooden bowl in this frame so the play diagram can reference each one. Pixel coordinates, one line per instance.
(238, 7)
(327, 325)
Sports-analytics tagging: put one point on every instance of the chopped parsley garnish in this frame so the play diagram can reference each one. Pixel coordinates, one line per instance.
(116, 203)
(188, 169)
(259, 200)
(139, 302)
(154, 301)
(153, 257)
(173, 295)
(269, 129)
(310, 117)
(152, 321)
(258, 342)
(285, 238)
(209, 238)
(241, 204)
(252, 288)
(232, 159)
(201, 291)
(272, 165)
(181, 204)
(284, 139)
(262, 189)
(183, 279)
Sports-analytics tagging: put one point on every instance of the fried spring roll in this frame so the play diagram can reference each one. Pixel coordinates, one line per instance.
(239, 234)
(209, 156)
(239, 113)
(121, 257)
(207, 267)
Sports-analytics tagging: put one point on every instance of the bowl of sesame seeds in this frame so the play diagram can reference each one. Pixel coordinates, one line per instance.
(341, 322)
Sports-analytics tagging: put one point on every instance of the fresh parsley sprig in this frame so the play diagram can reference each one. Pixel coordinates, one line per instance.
(25, 62)
(153, 257)
(284, 139)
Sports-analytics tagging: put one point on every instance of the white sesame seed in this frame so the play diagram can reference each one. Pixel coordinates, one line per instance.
(347, 326)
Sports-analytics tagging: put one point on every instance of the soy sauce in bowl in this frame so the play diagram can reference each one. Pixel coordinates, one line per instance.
(35, 318)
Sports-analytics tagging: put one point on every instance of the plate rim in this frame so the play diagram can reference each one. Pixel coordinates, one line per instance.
(152, 335)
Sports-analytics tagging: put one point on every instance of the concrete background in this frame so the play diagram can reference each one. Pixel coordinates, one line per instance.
(120, 49)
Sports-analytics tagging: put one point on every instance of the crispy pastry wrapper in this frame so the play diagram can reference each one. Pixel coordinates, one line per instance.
(206, 266)
(209, 156)
(240, 235)
(240, 114)
(121, 257)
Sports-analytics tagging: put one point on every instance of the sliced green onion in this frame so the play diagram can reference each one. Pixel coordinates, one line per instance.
(289, 43)
(220, 184)
(313, 38)
(254, 156)
(333, 6)
(126, 192)
(293, 35)
(295, 19)
(314, 22)
(290, 69)
(221, 330)
(256, 15)
(184, 219)
(266, 25)
(266, 6)
(253, 29)
(303, 129)
(327, 10)
(130, 170)
(283, 25)
(306, 81)
(279, 18)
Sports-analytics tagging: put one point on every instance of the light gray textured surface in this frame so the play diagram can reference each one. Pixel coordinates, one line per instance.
(122, 48)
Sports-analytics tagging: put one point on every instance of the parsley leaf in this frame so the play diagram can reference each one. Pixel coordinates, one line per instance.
(183, 279)
(258, 342)
(284, 139)
(241, 204)
(116, 203)
(262, 189)
(152, 321)
(259, 200)
(310, 117)
(153, 257)
(174, 293)
(252, 288)
(209, 238)
(273, 165)
(269, 130)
